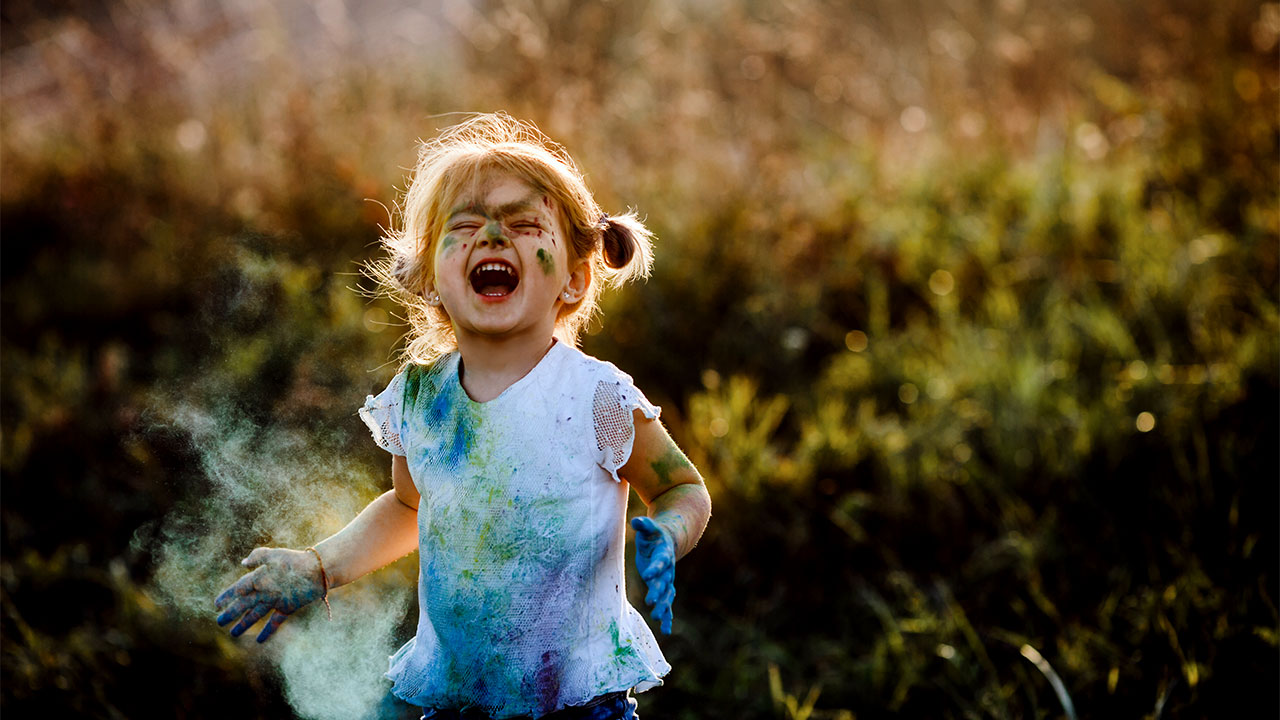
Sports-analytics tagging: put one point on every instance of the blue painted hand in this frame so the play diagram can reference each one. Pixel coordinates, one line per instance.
(282, 582)
(656, 561)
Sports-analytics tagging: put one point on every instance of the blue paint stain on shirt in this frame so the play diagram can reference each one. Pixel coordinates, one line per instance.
(448, 416)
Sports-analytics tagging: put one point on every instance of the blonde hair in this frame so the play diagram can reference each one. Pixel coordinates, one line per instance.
(618, 248)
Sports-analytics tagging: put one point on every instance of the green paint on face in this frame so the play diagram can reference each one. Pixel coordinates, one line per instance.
(447, 243)
(669, 464)
(547, 262)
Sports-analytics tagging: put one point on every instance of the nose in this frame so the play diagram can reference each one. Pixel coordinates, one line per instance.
(494, 235)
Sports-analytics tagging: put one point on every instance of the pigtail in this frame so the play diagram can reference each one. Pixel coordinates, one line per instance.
(627, 247)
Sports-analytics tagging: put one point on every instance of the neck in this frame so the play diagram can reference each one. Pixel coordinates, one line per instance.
(491, 365)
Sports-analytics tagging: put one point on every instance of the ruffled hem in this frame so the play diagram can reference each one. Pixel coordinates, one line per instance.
(639, 673)
(654, 680)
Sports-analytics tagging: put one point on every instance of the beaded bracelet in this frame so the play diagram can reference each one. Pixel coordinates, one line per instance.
(324, 580)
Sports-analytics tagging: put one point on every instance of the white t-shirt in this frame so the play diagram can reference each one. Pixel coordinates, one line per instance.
(521, 531)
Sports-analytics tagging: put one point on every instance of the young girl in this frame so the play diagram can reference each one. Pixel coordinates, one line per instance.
(512, 450)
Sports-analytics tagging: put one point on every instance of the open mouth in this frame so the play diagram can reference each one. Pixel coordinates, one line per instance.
(494, 279)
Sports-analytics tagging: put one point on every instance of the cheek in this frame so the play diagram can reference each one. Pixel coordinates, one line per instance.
(451, 243)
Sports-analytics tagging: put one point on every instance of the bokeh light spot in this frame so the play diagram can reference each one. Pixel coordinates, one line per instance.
(1146, 422)
(941, 282)
(828, 89)
(1248, 86)
(718, 427)
(908, 393)
(710, 379)
(1137, 370)
(855, 340)
(914, 119)
(191, 135)
(1091, 140)
(1203, 248)
(375, 319)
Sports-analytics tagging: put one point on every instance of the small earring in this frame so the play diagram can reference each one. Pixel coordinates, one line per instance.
(433, 300)
(568, 297)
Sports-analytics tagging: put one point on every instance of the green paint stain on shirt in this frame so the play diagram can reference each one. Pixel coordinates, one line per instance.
(622, 652)
(547, 262)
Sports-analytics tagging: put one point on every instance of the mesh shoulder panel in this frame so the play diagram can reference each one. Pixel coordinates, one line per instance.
(612, 411)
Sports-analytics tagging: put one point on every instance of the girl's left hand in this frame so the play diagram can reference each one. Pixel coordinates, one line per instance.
(282, 582)
(656, 561)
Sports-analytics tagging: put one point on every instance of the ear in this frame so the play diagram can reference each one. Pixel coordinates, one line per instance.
(575, 287)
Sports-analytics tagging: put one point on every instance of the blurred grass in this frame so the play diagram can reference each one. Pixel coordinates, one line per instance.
(967, 311)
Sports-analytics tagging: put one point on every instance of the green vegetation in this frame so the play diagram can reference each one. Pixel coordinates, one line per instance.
(970, 316)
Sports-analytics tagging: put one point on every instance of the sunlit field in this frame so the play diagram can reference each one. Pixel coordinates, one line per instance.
(969, 312)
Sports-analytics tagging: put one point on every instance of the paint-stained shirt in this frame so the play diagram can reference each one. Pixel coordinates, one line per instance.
(521, 529)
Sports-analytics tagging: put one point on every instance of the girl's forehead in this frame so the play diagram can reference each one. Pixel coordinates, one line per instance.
(499, 190)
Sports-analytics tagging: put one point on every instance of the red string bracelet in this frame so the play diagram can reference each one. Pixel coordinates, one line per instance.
(324, 580)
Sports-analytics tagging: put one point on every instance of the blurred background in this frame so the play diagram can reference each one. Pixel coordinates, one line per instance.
(967, 310)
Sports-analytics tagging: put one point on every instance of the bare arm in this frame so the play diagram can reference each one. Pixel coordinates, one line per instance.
(668, 483)
(385, 531)
(679, 508)
(283, 581)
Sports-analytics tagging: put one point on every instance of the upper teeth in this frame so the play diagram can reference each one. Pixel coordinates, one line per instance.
(495, 266)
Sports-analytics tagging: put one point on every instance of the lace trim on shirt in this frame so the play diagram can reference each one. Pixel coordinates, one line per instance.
(382, 414)
(612, 410)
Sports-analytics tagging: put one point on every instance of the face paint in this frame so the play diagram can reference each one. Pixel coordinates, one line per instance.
(546, 204)
(547, 262)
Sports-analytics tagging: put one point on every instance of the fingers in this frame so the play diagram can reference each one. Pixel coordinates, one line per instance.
(660, 563)
(269, 629)
(236, 609)
(225, 596)
(660, 592)
(254, 615)
(656, 588)
(645, 525)
(256, 558)
(239, 588)
(662, 611)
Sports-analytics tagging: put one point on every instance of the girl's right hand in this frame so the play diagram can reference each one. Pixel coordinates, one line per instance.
(283, 581)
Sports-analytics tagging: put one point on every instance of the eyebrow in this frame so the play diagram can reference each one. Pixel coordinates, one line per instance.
(474, 208)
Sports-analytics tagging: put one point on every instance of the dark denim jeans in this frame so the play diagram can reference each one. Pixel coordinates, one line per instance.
(614, 706)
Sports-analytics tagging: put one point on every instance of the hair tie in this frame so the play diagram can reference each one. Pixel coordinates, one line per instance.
(604, 221)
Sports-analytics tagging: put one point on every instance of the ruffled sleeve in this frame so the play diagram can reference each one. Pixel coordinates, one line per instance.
(616, 399)
(383, 414)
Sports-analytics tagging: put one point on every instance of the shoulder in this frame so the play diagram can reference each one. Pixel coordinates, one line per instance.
(594, 369)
